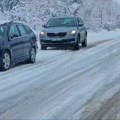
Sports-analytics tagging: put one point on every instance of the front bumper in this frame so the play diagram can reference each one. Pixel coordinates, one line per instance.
(58, 42)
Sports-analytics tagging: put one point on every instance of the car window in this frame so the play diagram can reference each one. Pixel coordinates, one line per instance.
(80, 21)
(3, 30)
(28, 29)
(14, 31)
(23, 31)
(62, 22)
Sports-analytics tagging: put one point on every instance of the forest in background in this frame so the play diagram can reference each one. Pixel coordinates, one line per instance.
(96, 14)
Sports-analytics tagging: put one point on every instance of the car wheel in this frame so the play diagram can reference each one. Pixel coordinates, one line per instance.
(6, 62)
(76, 46)
(84, 44)
(32, 58)
(43, 48)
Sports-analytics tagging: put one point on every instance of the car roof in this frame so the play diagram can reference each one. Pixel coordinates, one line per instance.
(4, 22)
(7, 22)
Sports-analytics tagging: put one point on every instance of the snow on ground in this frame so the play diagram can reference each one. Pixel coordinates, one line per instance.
(103, 35)
(61, 81)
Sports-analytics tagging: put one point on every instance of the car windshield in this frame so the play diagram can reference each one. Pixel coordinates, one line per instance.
(3, 31)
(62, 22)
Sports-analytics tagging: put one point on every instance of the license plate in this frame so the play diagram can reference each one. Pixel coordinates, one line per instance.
(56, 39)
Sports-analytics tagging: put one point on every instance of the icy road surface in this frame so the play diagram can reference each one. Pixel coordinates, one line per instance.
(60, 83)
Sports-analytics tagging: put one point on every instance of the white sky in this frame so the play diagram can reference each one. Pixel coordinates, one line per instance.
(118, 1)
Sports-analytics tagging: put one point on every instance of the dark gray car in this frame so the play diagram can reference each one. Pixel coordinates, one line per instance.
(18, 43)
(63, 32)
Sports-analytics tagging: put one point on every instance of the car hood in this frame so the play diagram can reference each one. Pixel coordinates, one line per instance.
(59, 29)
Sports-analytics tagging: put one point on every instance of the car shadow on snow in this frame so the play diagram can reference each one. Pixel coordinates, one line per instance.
(21, 64)
(90, 45)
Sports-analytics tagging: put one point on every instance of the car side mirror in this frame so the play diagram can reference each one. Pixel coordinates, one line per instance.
(81, 24)
(45, 26)
(15, 35)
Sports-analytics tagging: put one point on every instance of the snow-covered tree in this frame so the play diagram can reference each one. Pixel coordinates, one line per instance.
(96, 14)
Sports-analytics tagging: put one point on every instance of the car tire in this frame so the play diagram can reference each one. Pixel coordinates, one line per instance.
(6, 61)
(84, 44)
(76, 46)
(43, 48)
(32, 58)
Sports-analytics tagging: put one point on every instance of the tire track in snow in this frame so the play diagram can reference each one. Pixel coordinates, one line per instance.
(68, 79)
(63, 82)
(27, 74)
(27, 67)
(30, 72)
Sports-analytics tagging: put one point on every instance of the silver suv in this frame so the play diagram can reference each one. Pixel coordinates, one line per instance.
(63, 32)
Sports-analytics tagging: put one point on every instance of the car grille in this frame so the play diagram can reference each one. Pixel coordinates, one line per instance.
(63, 34)
(62, 41)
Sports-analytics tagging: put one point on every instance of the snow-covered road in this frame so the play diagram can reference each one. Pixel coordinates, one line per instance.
(60, 83)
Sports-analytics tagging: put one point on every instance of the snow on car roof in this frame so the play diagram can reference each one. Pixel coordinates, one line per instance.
(20, 22)
(4, 21)
(12, 21)
(8, 21)
(65, 17)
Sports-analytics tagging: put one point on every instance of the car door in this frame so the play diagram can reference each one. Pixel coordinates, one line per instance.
(81, 29)
(26, 39)
(15, 43)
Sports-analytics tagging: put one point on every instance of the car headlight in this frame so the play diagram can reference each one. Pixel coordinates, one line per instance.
(73, 32)
(43, 33)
